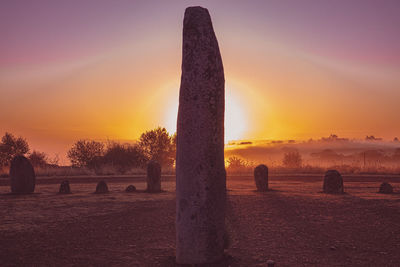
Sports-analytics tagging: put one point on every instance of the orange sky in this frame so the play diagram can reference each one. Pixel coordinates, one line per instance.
(291, 71)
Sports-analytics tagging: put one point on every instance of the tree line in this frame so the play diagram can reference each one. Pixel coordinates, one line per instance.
(11, 146)
(156, 144)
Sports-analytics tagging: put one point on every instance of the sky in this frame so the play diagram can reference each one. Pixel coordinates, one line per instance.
(110, 70)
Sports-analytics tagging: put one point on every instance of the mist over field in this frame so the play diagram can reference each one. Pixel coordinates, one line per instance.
(350, 155)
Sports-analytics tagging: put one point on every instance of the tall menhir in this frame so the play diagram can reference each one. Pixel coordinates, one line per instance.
(200, 169)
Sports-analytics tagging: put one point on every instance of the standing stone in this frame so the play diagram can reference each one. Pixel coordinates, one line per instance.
(261, 177)
(200, 169)
(101, 188)
(153, 177)
(22, 175)
(333, 182)
(385, 188)
(65, 188)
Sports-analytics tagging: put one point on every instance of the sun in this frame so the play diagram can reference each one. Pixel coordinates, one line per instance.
(235, 116)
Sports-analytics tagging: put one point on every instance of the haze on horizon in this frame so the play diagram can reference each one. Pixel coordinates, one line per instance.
(111, 69)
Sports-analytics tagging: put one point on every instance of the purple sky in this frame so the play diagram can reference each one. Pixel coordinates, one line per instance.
(46, 30)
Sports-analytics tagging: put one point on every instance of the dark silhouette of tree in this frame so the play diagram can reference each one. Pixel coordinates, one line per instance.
(11, 146)
(84, 152)
(158, 145)
(292, 160)
(334, 138)
(123, 157)
(38, 159)
(372, 138)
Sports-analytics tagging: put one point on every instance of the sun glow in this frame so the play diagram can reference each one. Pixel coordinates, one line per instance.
(235, 116)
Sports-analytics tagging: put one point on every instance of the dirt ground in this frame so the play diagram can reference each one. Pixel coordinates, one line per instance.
(294, 224)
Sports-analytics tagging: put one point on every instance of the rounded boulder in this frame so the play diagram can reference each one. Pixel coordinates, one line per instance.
(101, 188)
(130, 189)
(333, 182)
(385, 188)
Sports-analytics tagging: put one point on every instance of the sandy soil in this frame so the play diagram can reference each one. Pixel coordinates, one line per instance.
(294, 224)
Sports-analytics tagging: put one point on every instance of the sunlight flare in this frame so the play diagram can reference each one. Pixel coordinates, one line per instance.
(235, 116)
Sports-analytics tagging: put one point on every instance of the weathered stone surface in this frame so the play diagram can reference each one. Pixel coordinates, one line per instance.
(153, 177)
(101, 188)
(64, 187)
(333, 182)
(22, 176)
(200, 169)
(261, 177)
(386, 188)
(130, 189)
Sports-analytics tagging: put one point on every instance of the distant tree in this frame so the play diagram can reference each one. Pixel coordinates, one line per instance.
(292, 159)
(11, 146)
(158, 145)
(38, 159)
(123, 156)
(372, 138)
(84, 152)
(396, 139)
(333, 136)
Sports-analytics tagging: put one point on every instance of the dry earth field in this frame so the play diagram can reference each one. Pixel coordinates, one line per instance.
(294, 224)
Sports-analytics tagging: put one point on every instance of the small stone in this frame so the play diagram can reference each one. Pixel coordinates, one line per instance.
(130, 189)
(386, 188)
(333, 182)
(270, 263)
(65, 188)
(153, 177)
(261, 177)
(22, 175)
(101, 188)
